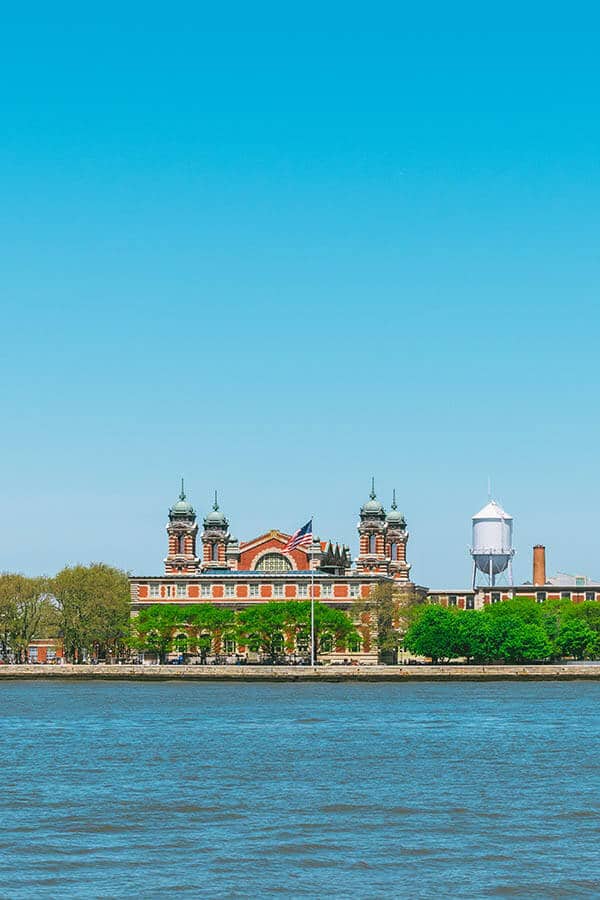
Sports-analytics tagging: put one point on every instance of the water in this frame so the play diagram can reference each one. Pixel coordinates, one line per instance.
(116, 789)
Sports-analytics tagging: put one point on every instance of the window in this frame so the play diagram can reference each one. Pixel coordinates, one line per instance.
(181, 543)
(273, 562)
(326, 643)
(182, 590)
(229, 645)
(354, 590)
(372, 544)
(230, 590)
(326, 590)
(394, 550)
(170, 590)
(277, 643)
(589, 595)
(302, 641)
(205, 590)
(33, 654)
(254, 590)
(215, 551)
(354, 644)
(181, 643)
(565, 595)
(470, 603)
(303, 590)
(540, 596)
(155, 590)
(278, 591)
(580, 580)
(495, 598)
(452, 600)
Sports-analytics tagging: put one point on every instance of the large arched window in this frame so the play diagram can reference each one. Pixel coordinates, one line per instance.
(372, 544)
(273, 562)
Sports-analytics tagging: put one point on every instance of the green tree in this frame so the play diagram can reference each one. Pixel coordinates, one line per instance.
(262, 626)
(391, 608)
(473, 636)
(207, 624)
(265, 625)
(153, 629)
(525, 641)
(93, 606)
(575, 637)
(25, 606)
(433, 634)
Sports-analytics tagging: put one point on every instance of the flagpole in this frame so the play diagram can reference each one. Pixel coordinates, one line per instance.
(312, 604)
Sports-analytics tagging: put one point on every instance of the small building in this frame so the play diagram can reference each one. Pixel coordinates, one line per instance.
(45, 650)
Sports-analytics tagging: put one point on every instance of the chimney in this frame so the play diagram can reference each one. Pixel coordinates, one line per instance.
(539, 564)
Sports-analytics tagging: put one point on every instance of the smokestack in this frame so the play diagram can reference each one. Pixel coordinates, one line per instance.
(539, 564)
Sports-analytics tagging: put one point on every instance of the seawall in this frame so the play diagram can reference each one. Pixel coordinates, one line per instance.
(570, 672)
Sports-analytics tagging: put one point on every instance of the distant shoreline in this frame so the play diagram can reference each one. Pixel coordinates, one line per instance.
(555, 672)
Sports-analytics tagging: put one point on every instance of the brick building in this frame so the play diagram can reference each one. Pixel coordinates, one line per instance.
(212, 566)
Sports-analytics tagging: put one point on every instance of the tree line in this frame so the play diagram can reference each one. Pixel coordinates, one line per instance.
(274, 628)
(514, 631)
(86, 607)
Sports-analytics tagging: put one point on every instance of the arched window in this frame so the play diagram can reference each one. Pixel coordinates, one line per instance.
(394, 550)
(181, 643)
(181, 544)
(372, 544)
(215, 551)
(273, 562)
(277, 642)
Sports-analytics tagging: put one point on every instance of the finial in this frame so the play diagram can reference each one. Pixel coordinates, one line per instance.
(182, 492)
(394, 506)
(372, 494)
(216, 503)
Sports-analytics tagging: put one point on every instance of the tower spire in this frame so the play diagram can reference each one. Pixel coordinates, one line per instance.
(372, 495)
(216, 503)
(182, 492)
(394, 504)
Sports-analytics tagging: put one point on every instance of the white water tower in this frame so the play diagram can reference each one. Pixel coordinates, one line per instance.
(492, 549)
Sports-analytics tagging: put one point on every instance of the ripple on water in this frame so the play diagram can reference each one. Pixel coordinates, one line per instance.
(266, 789)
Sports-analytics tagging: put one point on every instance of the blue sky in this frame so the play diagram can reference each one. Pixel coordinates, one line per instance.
(283, 252)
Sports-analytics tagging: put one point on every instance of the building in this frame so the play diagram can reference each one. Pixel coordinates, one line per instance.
(576, 588)
(212, 566)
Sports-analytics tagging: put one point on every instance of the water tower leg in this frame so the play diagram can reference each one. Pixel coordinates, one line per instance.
(510, 575)
(474, 573)
(491, 572)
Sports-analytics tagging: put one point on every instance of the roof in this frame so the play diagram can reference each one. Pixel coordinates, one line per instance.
(492, 510)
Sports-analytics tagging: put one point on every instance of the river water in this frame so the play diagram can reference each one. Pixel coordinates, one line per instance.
(121, 789)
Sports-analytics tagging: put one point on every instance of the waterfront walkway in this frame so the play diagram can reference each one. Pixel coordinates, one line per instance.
(561, 672)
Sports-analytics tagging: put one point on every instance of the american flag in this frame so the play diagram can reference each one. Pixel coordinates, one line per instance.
(300, 538)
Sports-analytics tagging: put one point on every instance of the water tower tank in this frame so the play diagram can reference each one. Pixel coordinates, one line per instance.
(492, 549)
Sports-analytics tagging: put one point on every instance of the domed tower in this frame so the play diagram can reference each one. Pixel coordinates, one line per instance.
(396, 538)
(215, 539)
(182, 530)
(371, 530)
